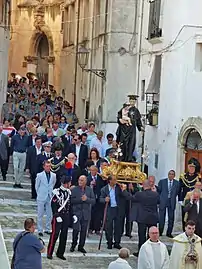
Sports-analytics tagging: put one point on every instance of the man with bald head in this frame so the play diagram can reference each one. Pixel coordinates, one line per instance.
(147, 214)
(121, 262)
(153, 253)
(82, 200)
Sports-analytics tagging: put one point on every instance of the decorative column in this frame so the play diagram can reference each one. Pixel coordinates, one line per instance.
(31, 63)
(51, 60)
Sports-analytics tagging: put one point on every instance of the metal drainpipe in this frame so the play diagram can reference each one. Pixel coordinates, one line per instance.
(140, 47)
(104, 59)
(91, 61)
(76, 57)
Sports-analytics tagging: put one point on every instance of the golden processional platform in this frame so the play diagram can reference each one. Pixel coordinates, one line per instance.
(125, 172)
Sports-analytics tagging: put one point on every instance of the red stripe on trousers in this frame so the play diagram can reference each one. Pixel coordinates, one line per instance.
(52, 236)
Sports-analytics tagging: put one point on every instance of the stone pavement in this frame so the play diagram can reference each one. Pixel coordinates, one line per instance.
(16, 205)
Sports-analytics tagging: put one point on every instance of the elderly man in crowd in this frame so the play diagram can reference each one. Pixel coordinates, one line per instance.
(121, 262)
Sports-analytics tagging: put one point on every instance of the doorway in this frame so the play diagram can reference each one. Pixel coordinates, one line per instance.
(42, 62)
(193, 147)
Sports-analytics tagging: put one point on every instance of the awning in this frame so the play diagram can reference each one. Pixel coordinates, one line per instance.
(155, 80)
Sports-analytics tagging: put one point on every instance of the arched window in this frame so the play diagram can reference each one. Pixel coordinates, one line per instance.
(194, 140)
(42, 63)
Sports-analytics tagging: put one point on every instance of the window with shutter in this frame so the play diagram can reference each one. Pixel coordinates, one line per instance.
(154, 19)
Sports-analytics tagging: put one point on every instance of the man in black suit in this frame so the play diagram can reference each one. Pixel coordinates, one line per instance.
(116, 197)
(67, 140)
(168, 190)
(31, 163)
(193, 211)
(81, 152)
(44, 156)
(147, 214)
(96, 182)
(4, 153)
(82, 200)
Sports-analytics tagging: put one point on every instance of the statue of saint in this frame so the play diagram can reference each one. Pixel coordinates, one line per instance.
(129, 119)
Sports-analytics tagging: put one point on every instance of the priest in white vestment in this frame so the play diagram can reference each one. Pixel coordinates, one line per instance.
(153, 253)
(187, 251)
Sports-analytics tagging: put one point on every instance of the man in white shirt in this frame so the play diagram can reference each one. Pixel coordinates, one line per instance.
(121, 262)
(81, 152)
(98, 142)
(153, 253)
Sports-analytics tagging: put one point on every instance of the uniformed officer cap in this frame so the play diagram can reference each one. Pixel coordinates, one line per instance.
(58, 146)
(133, 96)
(65, 179)
(60, 98)
(21, 107)
(65, 102)
(42, 103)
(9, 95)
(195, 163)
(47, 144)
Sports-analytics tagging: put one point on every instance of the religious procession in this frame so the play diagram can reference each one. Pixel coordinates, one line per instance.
(91, 182)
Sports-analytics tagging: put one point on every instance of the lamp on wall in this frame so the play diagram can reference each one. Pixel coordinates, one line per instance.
(83, 56)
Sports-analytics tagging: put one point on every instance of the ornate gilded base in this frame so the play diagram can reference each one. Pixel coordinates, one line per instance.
(125, 172)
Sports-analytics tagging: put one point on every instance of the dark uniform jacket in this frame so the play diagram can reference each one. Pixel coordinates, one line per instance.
(61, 198)
(187, 183)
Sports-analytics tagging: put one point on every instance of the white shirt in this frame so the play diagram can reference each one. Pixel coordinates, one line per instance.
(48, 155)
(38, 151)
(78, 147)
(119, 264)
(98, 144)
(105, 147)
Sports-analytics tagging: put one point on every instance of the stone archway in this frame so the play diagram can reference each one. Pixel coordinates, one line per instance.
(36, 36)
(192, 124)
(41, 61)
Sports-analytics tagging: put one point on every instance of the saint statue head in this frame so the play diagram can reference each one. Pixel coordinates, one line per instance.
(132, 99)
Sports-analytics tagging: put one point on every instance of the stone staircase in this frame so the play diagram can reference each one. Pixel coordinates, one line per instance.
(16, 205)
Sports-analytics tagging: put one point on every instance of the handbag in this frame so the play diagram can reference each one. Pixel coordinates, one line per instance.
(15, 247)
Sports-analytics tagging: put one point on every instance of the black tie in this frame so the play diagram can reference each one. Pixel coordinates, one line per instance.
(169, 190)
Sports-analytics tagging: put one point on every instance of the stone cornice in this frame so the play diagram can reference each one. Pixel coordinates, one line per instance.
(68, 3)
(34, 3)
(31, 59)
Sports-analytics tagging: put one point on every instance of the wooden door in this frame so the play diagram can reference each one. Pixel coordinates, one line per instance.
(192, 153)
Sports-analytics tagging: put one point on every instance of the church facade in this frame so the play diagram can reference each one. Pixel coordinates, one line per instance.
(36, 36)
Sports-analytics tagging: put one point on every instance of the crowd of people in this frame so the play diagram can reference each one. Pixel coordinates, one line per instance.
(65, 163)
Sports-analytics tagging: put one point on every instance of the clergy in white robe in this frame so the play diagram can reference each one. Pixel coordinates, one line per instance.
(181, 248)
(153, 253)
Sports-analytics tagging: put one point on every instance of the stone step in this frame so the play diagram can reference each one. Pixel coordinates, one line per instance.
(18, 194)
(79, 261)
(9, 184)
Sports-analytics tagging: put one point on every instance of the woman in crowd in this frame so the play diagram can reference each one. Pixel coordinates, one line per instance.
(95, 157)
(90, 134)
